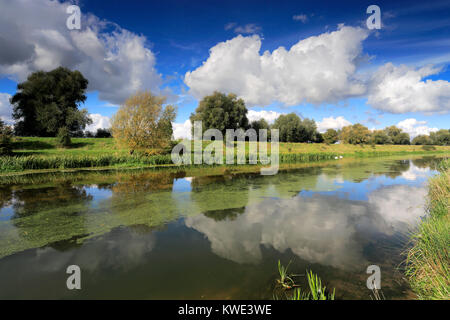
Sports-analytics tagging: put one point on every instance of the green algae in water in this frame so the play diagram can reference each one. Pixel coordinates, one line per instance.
(63, 211)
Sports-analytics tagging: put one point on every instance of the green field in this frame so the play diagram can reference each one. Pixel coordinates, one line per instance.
(33, 153)
(80, 147)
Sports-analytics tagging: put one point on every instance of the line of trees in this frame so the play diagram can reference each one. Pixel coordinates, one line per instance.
(440, 138)
(220, 111)
(47, 104)
(359, 134)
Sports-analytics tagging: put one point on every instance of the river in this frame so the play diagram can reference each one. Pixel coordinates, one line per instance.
(210, 233)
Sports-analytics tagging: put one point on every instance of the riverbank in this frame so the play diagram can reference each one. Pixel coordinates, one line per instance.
(31, 154)
(428, 261)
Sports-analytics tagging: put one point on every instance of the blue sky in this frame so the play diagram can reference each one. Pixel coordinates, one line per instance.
(180, 34)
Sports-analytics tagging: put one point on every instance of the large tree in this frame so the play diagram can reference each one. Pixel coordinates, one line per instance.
(355, 134)
(48, 101)
(380, 137)
(402, 138)
(397, 136)
(288, 126)
(220, 111)
(144, 124)
(260, 124)
(331, 136)
(422, 139)
(308, 131)
(294, 129)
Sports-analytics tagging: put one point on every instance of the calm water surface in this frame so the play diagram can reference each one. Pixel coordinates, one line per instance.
(182, 235)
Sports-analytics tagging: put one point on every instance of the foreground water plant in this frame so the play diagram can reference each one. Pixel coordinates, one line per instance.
(317, 290)
(285, 280)
(292, 291)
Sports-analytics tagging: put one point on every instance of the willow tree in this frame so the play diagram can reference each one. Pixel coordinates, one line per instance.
(49, 101)
(220, 111)
(144, 124)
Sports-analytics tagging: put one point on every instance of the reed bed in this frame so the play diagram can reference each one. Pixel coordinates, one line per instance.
(428, 261)
(17, 163)
(35, 162)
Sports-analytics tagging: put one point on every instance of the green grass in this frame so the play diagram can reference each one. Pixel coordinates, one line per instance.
(317, 290)
(428, 261)
(33, 153)
(80, 147)
(22, 163)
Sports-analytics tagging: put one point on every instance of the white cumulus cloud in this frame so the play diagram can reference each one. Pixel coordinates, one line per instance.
(269, 116)
(415, 127)
(5, 108)
(182, 130)
(98, 122)
(34, 36)
(315, 70)
(401, 89)
(332, 123)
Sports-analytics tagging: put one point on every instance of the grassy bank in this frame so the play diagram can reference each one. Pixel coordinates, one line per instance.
(43, 154)
(428, 262)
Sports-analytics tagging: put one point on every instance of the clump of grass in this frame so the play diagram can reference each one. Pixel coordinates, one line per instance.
(285, 280)
(317, 290)
(428, 261)
(292, 291)
(298, 294)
